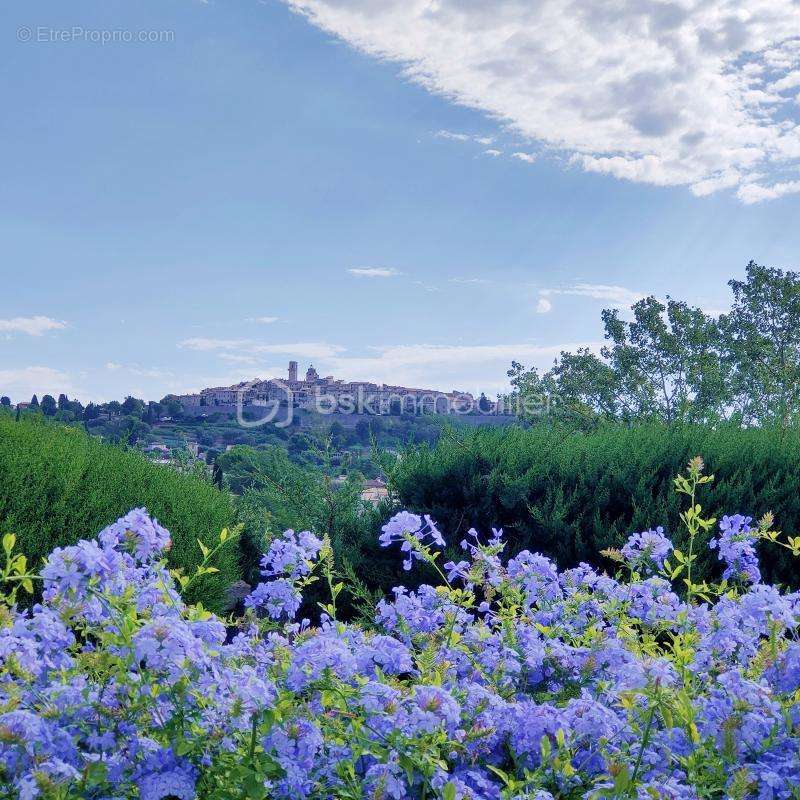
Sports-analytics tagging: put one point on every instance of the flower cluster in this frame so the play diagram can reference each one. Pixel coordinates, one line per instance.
(287, 564)
(736, 545)
(416, 535)
(510, 680)
(647, 550)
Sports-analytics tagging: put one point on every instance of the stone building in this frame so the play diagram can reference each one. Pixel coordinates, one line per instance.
(329, 394)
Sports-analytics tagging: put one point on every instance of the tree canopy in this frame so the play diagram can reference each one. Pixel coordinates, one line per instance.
(671, 362)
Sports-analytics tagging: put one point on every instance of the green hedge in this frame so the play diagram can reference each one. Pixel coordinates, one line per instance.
(570, 495)
(58, 485)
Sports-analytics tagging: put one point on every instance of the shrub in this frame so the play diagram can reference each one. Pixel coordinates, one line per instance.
(275, 493)
(57, 485)
(570, 495)
(509, 680)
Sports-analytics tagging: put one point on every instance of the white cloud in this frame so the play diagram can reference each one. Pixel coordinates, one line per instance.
(236, 358)
(463, 366)
(22, 383)
(543, 306)
(465, 137)
(138, 371)
(690, 93)
(427, 286)
(374, 272)
(249, 347)
(33, 326)
(456, 137)
(430, 366)
(494, 153)
(618, 296)
(528, 158)
(470, 280)
(262, 320)
(753, 193)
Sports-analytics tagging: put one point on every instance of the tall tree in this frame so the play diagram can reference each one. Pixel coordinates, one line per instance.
(662, 364)
(133, 407)
(762, 338)
(672, 362)
(49, 406)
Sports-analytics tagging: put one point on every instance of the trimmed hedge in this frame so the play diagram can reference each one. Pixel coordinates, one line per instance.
(570, 495)
(58, 485)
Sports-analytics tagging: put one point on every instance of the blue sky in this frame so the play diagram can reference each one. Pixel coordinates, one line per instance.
(255, 187)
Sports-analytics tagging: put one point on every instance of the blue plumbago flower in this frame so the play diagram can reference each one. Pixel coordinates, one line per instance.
(112, 688)
(411, 531)
(647, 549)
(165, 776)
(279, 598)
(136, 533)
(736, 545)
(292, 555)
(431, 708)
(296, 746)
(169, 646)
(385, 782)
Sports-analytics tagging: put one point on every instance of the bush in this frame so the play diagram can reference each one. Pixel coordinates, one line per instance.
(274, 494)
(570, 495)
(507, 681)
(57, 485)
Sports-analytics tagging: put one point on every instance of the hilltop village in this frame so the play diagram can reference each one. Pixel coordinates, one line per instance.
(328, 395)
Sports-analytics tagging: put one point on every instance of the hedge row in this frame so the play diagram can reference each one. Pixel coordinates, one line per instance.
(570, 495)
(57, 485)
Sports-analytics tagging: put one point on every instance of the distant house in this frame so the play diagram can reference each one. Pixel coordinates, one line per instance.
(374, 491)
(157, 448)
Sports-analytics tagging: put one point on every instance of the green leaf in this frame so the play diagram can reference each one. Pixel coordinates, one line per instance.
(449, 791)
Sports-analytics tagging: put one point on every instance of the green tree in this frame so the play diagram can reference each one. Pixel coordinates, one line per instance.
(673, 363)
(5, 401)
(133, 407)
(49, 406)
(762, 339)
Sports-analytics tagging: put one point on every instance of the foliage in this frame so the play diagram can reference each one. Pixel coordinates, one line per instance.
(571, 495)
(508, 680)
(671, 362)
(276, 494)
(57, 485)
(762, 337)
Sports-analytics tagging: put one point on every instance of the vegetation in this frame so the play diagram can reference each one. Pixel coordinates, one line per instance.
(508, 679)
(57, 484)
(273, 494)
(674, 363)
(572, 494)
